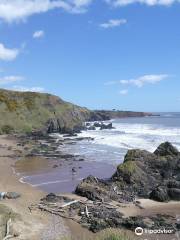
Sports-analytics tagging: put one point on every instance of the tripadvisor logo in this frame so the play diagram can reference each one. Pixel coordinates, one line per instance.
(140, 231)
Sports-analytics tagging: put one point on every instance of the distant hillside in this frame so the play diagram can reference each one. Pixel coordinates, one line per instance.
(116, 114)
(29, 111)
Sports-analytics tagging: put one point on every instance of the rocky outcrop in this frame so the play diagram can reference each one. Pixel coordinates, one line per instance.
(106, 126)
(159, 194)
(166, 149)
(143, 174)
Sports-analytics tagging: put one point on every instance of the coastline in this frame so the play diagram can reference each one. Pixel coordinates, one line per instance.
(38, 221)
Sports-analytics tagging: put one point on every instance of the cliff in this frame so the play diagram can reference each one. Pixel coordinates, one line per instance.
(30, 111)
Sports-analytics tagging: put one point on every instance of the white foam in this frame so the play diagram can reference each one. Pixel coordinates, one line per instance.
(53, 182)
(129, 135)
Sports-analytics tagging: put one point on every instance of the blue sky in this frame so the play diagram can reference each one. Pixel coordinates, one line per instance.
(122, 54)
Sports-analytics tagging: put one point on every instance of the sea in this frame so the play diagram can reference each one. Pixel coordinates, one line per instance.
(129, 133)
(103, 153)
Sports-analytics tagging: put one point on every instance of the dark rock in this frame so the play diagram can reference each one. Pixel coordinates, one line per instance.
(81, 160)
(173, 184)
(97, 124)
(138, 176)
(51, 197)
(74, 170)
(106, 126)
(159, 194)
(91, 128)
(90, 189)
(174, 194)
(55, 166)
(166, 149)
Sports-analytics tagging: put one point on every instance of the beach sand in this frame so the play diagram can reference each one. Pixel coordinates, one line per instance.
(32, 225)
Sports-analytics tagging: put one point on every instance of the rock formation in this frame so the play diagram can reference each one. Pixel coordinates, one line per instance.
(142, 174)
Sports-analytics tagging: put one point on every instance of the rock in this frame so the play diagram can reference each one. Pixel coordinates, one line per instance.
(173, 184)
(159, 194)
(12, 195)
(97, 124)
(139, 175)
(81, 160)
(108, 126)
(74, 170)
(55, 166)
(51, 197)
(166, 149)
(91, 128)
(174, 194)
(90, 189)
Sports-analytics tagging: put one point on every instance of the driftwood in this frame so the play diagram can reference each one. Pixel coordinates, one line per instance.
(8, 235)
(57, 212)
(70, 203)
(87, 212)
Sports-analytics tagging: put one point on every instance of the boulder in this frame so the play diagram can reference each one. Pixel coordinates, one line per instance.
(91, 128)
(91, 189)
(12, 195)
(173, 184)
(106, 126)
(139, 175)
(159, 194)
(97, 124)
(174, 194)
(166, 149)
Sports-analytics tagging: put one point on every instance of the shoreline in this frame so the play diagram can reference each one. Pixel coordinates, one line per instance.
(29, 225)
(42, 221)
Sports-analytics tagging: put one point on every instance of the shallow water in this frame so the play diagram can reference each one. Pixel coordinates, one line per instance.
(39, 172)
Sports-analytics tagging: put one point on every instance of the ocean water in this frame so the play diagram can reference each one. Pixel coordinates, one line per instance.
(147, 133)
(103, 154)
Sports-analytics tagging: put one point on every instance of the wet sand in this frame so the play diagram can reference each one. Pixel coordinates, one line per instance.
(57, 176)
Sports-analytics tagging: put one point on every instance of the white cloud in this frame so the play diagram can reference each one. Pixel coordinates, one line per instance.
(26, 89)
(16, 10)
(7, 54)
(113, 23)
(124, 92)
(146, 79)
(120, 3)
(10, 79)
(38, 34)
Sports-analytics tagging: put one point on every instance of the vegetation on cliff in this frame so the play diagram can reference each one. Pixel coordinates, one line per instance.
(32, 111)
(28, 111)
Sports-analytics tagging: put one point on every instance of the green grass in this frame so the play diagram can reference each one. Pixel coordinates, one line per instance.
(109, 234)
(127, 167)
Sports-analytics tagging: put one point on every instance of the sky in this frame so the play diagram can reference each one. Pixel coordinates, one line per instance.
(101, 54)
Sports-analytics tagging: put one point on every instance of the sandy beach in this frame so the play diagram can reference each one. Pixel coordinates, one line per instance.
(31, 225)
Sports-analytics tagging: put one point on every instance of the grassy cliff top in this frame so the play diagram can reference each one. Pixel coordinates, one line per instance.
(27, 111)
